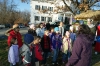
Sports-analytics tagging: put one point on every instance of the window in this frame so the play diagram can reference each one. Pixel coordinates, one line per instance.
(49, 19)
(37, 18)
(43, 18)
(37, 7)
(44, 7)
(50, 8)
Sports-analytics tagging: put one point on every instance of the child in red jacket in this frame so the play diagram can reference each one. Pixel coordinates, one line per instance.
(36, 50)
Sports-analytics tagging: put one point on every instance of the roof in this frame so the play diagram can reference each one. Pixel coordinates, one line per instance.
(88, 14)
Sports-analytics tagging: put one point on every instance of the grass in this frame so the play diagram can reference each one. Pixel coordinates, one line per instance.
(4, 54)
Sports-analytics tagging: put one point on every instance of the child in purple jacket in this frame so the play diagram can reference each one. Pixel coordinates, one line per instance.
(56, 44)
(13, 54)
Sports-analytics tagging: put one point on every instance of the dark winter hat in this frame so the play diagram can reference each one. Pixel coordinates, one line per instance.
(28, 38)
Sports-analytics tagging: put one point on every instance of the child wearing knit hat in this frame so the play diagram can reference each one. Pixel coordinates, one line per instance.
(32, 30)
(56, 45)
(25, 49)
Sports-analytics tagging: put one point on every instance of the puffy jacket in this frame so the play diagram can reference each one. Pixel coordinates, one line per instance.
(65, 46)
(26, 54)
(17, 35)
(37, 51)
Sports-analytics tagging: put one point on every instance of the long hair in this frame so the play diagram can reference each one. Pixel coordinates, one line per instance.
(84, 29)
(39, 25)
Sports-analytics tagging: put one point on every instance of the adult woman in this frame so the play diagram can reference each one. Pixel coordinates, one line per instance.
(62, 29)
(82, 48)
(40, 30)
(14, 33)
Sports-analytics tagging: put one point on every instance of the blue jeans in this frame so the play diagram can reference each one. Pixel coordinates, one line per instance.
(12, 64)
(45, 55)
(66, 56)
(55, 54)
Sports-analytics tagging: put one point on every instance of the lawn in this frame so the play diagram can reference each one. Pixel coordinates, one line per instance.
(4, 54)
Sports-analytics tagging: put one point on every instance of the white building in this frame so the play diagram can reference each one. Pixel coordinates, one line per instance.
(46, 11)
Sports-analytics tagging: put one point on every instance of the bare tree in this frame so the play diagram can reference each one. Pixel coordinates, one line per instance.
(9, 13)
(81, 6)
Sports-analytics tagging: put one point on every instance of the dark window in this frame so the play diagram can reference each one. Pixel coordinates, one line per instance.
(49, 19)
(37, 18)
(37, 7)
(44, 7)
(62, 19)
(43, 18)
(50, 8)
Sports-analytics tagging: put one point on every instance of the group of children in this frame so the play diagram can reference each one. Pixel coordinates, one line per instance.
(36, 49)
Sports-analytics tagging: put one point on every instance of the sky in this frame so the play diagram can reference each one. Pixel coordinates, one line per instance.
(22, 6)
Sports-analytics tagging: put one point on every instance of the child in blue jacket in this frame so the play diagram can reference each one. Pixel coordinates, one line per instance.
(56, 44)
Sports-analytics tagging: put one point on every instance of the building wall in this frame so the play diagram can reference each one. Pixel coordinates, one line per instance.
(46, 15)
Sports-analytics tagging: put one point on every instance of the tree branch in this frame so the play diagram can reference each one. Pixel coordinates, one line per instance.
(82, 1)
(93, 3)
(77, 2)
(68, 7)
(90, 1)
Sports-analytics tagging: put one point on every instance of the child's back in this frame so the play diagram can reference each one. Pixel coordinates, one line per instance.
(26, 54)
(13, 54)
(25, 51)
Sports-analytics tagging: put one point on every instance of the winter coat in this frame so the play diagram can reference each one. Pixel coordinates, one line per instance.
(17, 35)
(36, 48)
(33, 55)
(62, 30)
(51, 36)
(66, 47)
(46, 44)
(73, 37)
(56, 41)
(13, 54)
(33, 32)
(81, 51)
(26, 54)
(40, 32)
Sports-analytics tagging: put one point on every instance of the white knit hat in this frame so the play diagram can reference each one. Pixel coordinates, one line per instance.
(89, 20)
(32, 26)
